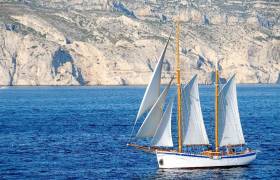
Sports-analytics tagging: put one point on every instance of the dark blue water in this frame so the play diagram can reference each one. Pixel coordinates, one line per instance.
(82, 133)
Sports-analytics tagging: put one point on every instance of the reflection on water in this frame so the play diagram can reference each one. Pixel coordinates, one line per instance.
(215, 173)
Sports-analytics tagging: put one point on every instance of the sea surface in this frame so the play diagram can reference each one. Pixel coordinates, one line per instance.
(82, 132)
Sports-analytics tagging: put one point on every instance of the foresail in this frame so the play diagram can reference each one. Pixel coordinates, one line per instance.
(230, 130)
(150, 124)
(193, 129)
(163, 136)
(153, 89)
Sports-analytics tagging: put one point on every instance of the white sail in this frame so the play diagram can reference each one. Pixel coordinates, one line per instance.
(150, 124)
(163, 136)
(153, 89)
(229, 126)
(193, 129)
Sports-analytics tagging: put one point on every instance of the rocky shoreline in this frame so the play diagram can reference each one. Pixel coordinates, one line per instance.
(112, 43)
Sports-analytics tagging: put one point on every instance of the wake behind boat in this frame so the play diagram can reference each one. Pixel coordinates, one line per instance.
(194, 149)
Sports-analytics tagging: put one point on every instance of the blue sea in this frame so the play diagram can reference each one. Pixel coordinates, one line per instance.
(82, 132)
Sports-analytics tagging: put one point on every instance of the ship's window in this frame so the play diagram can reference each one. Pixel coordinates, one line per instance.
(161, 162)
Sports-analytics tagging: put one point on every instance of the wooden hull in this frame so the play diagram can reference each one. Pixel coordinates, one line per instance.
(184, 160)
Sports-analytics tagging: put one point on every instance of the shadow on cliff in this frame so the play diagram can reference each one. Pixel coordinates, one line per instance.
(61, 57)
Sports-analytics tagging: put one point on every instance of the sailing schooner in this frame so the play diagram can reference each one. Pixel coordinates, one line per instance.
(194, 149)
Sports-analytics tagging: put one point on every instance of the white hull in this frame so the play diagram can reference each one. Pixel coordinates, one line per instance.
(183, 160)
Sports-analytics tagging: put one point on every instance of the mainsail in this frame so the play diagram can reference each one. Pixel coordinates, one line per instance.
(230, 130)
(193, 128)
(163, 135)
(153, 89)
(150, 124)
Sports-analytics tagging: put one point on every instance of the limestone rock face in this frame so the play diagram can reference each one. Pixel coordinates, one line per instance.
(85, 42)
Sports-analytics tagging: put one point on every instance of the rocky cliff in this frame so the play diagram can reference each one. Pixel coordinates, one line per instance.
(103, 42)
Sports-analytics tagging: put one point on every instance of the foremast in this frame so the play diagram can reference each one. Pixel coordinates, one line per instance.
(179, 107)
(216, 109)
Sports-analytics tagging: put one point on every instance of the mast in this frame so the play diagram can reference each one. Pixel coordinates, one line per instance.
(216, 108)
(178, 86)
